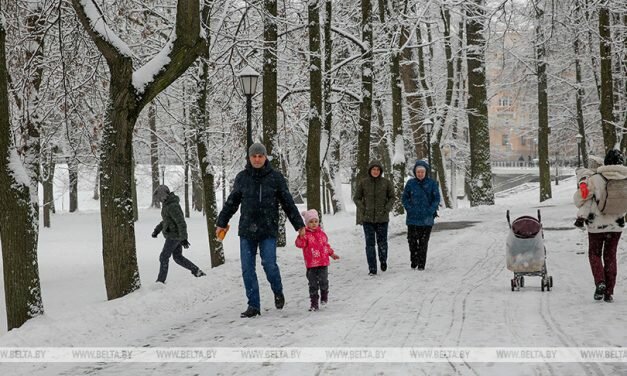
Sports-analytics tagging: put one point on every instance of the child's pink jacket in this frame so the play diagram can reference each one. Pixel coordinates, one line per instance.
(316, 248)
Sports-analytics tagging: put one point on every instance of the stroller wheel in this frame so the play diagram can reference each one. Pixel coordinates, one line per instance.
(513, 283)
(542, 284)
(551, 281)
(522, 281)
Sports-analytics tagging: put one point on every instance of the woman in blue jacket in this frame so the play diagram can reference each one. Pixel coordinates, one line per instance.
(421, 198)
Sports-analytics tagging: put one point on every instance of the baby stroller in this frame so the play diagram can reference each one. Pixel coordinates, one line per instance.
(525, 251)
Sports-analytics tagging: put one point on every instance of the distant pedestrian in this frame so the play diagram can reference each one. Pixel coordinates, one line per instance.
(316, 251)
(421, 198)
(605, 221)
(174, 230)
(374, 197)
(260, 190)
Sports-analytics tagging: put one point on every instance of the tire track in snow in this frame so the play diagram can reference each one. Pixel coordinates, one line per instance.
(566, 339)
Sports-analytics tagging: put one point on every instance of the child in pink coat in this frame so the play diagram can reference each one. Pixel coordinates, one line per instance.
(316, 251)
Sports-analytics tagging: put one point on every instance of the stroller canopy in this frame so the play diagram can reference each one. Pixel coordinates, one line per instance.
(526, 227)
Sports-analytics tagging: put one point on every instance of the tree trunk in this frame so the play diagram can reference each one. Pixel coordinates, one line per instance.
(48, 167)
(332, 155)
(154, 152)
(19, 218)
(269, 96)
(480, 171)
(379, 141)
(134, 189)
(580, 94)
(415, 103)
(312, 163)
(96, 195)
(543, 108)
(186, 166)
(201, 124)
(125, 105)
(398, 143)
(607, 90)
(72, 166)
(365, 106)
(197, 185)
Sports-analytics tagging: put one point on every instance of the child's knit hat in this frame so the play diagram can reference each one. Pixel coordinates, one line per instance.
(309, 215)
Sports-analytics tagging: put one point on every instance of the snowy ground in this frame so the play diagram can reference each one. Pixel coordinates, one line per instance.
(462, 299)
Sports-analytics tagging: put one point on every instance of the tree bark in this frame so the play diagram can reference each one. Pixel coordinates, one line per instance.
(154, 152)
(201, 124)
(480, 172)
(19, 218)
(48, 167)
(543, 107)
(125, 105)
(312, 163)
(607, 89)
(270, 98)
(365, 106)
(580, 94)
(332, 155)
(72, 166)
(415, 102)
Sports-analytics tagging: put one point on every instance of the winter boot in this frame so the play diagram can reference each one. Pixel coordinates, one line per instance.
(324, 297)
(250, 312)
(199, 273)
(608, 298)
(279, 301)
(314, 303)
(384, 266)
(600, 291)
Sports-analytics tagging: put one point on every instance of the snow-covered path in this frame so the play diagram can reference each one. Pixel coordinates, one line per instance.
(462, 299)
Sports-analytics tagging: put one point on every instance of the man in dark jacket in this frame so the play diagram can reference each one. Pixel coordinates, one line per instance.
(174, 230)
(374, 197)
(421, 198)
(259, 189)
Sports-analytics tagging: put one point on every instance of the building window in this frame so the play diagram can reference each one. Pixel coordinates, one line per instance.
(523, 140)
(505, 139)
(505, 101)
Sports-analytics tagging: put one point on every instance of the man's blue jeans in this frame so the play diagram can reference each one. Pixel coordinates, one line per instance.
(376, 237)
(248, 257)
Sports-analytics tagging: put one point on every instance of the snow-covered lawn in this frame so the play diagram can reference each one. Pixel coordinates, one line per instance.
(463, 298)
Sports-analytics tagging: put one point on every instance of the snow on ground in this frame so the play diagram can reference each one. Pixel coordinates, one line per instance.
(463, 298)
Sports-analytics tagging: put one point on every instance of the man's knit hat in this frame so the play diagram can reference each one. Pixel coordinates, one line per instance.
(257, 148)
(161, 193)
(309, 215)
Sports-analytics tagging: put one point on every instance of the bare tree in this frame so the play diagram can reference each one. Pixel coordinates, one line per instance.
(130, 91)
(19, 215)
(480, 172)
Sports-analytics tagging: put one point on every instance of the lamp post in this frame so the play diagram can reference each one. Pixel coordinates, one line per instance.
(579, 138)
(428, 125)
(248, 79)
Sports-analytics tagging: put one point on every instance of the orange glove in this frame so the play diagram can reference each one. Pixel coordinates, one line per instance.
(222, 233)
(583, 188)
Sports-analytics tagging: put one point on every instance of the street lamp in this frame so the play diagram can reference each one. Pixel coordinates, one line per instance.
(248, 79)
(579, 138)
(428, 125)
